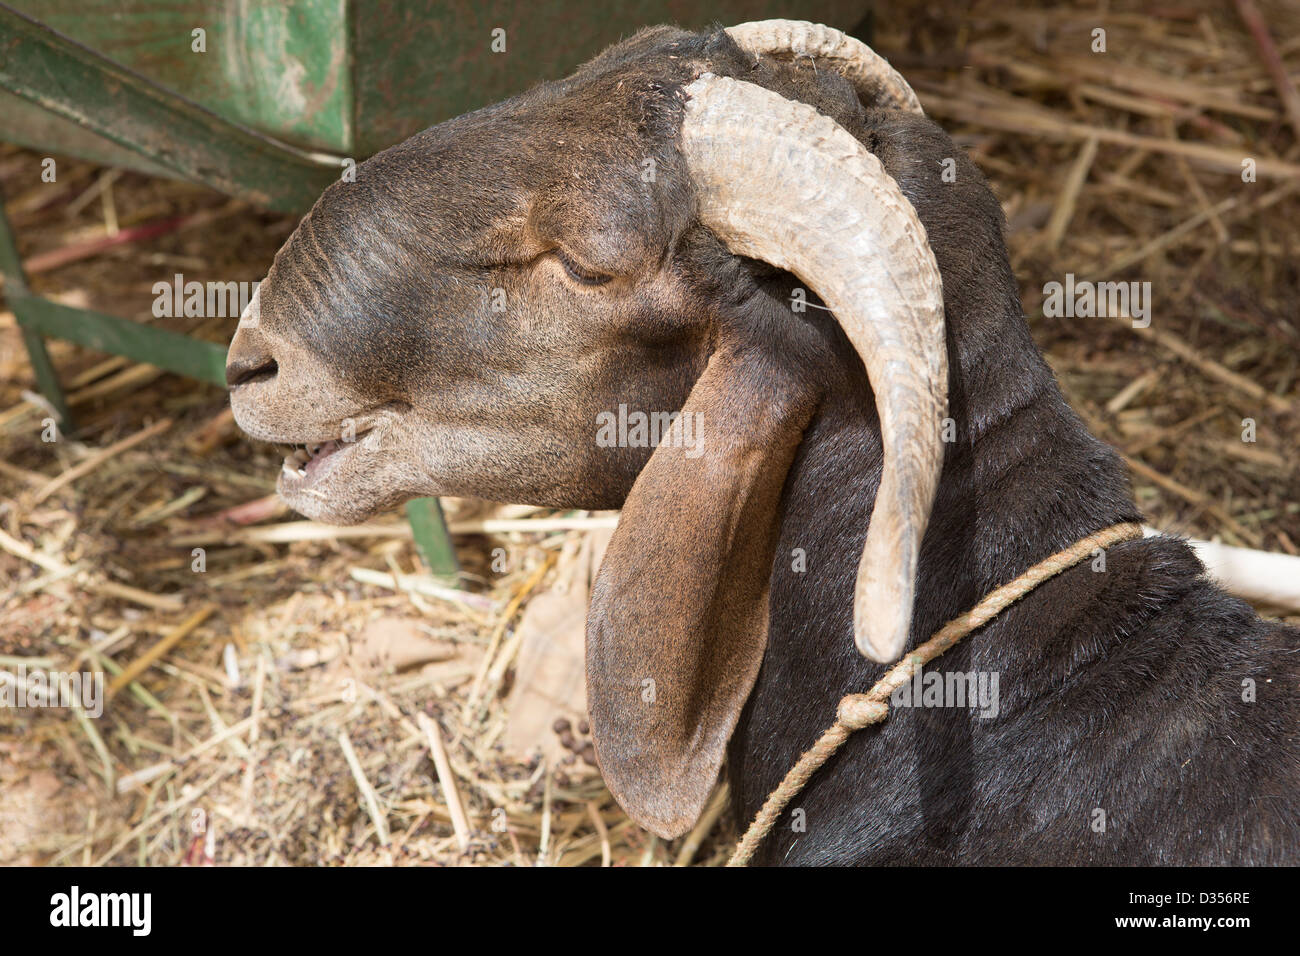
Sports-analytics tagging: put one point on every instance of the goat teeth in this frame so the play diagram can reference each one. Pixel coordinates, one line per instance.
(295, 461)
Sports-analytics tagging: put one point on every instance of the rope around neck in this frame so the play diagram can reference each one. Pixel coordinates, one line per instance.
(862, 710)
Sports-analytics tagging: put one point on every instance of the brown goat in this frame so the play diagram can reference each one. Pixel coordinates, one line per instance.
(460, 319)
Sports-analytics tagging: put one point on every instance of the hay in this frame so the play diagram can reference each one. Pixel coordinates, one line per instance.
(250, 721)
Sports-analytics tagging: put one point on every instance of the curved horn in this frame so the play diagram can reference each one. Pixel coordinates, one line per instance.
(870, 73)
(843, 226)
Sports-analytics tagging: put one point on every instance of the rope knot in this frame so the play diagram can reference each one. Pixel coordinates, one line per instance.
(860, 710)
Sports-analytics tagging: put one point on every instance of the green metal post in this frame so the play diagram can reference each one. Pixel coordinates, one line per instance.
(47, 379)
(191, 357)
(429, 529)
(11, 267)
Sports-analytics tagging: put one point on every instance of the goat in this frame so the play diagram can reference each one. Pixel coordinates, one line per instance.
(458, 319)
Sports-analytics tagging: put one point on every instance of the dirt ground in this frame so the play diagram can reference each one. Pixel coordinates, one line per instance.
(280, 704)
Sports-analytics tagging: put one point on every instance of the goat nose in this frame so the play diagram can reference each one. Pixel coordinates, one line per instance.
(248, 360)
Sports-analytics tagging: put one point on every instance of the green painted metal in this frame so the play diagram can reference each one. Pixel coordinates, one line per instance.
(18, 296)
(429, 528)
(11, 266)
(47, 377)
(281, 67)
(352, 77)
(26, 124)
(78, 84)
(423, 61)
(194, 358)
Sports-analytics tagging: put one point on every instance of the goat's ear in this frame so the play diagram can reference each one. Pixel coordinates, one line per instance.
(678, 617)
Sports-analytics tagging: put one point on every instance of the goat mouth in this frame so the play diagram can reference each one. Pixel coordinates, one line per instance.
(307, 464)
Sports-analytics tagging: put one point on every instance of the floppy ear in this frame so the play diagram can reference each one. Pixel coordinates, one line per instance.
(678, 617)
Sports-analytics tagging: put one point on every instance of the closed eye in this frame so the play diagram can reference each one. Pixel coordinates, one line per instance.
(578, 274)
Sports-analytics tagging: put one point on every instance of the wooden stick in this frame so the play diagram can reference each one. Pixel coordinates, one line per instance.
(159, 602)
(1286, 90)
(446, 779)
(1131, 391)
(1198, 191)
(1168, 238)
(508, 525)
(1145, 82)
(602, 832)
(1030, 122)
(368, 795)
(421, 584)
(548, 793)
(703, 826)
(25, 551)
(1196, 497)
(45, 261)
(97, 459)
(33, 478)
(1246, 386)
(154, 771)
(132, 377)
(289, 531)
(146, 660)
(1063, 212)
